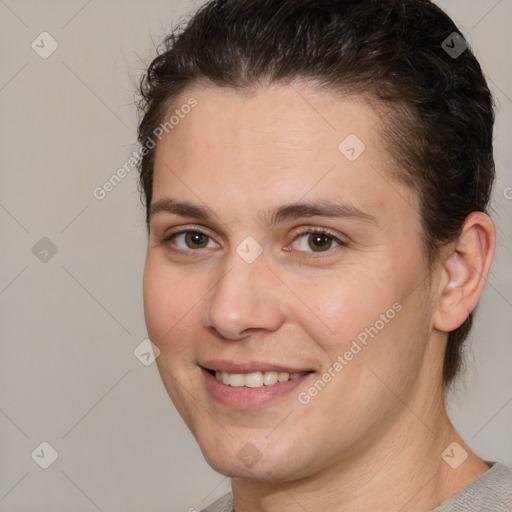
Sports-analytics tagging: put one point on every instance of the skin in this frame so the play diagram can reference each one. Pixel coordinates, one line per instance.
(373, 437)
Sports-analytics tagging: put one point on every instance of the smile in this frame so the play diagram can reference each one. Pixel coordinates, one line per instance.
(251, 385)
(255, 379)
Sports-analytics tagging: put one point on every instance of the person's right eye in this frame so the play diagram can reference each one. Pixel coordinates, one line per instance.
(190, 240)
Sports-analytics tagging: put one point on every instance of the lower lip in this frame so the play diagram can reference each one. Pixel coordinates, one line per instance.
(244, 397)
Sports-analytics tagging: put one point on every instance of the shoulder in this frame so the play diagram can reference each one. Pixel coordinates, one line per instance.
(224, 504)
(490, 492)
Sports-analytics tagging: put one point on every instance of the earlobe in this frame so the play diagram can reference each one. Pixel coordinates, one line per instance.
(465, 270)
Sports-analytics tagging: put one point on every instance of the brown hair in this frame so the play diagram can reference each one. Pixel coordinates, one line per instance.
(395, 51)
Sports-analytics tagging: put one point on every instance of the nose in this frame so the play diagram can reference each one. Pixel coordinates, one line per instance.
(246, 298)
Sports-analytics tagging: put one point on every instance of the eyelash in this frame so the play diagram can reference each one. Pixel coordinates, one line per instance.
(306, 231)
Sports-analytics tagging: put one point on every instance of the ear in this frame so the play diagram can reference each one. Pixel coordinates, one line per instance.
(464, 272)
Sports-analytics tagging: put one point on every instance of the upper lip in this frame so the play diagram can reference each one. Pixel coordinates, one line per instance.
(249, 367)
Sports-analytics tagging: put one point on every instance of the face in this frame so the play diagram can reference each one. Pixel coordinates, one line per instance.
(285, 280)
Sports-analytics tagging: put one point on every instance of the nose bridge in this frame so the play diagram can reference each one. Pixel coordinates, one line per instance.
(243, 298)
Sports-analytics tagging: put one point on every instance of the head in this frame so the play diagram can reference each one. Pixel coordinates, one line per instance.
(354, 105)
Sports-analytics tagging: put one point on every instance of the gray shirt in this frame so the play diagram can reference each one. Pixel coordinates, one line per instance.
(491, 492)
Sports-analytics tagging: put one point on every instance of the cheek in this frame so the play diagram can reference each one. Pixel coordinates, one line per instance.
(169, 303)
(349, 304)
(369, 322)
(382, 335)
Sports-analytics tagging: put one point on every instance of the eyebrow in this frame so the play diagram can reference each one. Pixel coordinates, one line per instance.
(331, 209)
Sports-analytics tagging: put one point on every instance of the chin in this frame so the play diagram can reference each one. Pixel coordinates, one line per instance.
(262, 471)
(249, 462)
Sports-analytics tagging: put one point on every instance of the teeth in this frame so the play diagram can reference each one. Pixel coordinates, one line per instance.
(255, 379)
(269, 378)
(236, 380)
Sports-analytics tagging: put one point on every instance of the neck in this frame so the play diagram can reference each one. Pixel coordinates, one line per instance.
(402, 469)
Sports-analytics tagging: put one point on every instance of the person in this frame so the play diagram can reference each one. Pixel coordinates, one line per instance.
(316, 176)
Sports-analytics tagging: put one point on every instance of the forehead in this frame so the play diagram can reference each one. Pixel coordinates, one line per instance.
(296, 116)
(250, 152)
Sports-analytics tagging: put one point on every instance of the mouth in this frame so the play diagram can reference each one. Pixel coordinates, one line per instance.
(251, 385)
(256, 379)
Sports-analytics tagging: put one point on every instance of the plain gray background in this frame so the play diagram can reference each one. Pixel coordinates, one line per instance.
(69, 325)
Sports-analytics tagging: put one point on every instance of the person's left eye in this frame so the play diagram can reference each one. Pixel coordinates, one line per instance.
(317, 241)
